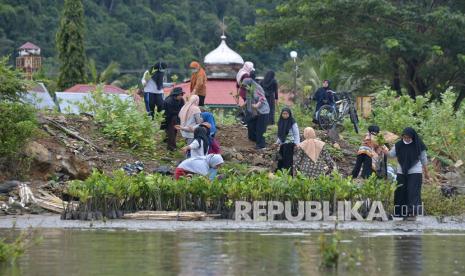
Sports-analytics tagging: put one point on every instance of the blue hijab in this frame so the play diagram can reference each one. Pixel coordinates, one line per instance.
(208, 117)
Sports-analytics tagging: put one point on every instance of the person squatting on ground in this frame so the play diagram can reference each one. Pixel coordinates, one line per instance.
(368, 154)
(257, 110)
(172, 106)
(288, 137)
(203, 165)
(411, 156)
(152, 82)
(270, 85)
(190, 118)
(311, 157)
(198, 82)
(200, 144)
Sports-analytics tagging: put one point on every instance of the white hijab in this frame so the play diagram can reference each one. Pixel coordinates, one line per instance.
(246, 69)
(201, 164)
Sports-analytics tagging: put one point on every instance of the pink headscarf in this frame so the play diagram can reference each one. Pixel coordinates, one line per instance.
(311, 145)
(189, 109)
(246, 69)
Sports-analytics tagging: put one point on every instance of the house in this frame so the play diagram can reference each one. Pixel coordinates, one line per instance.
(29, 59)
(39, 97)
(71, 98)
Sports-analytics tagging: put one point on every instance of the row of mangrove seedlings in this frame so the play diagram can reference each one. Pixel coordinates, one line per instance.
(111, 196)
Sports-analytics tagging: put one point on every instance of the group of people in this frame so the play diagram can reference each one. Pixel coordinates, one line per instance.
(309, 157)
(312, 158)
(260, 101)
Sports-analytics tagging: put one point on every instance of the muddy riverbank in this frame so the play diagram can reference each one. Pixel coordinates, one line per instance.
(54, 221)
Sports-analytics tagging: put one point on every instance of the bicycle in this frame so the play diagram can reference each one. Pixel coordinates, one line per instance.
(328, 115)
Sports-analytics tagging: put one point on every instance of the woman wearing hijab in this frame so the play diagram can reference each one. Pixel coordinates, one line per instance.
(210, 124)
(153, 87)
(257, 110)
(288, 137)
(198, 82)
(203, 165)
(190, 118)
(244, 72)
(411, 155)
(311, 157)
(172, 107)
(200, 145)
(270, 85)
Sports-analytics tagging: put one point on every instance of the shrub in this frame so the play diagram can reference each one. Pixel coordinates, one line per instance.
(122, 121)
(441, 128)
(12, 84)
(436, 204)
(395, 113)
(17, 126)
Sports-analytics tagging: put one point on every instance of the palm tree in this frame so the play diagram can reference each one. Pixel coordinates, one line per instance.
(313, 69)
(106, 76)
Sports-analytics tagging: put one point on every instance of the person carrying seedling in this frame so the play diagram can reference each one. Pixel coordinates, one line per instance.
(368, 154)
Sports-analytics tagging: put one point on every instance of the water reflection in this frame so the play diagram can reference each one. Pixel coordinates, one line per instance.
(408, 254)
(72, 252)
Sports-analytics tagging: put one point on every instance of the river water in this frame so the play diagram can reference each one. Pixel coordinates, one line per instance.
(272, 252)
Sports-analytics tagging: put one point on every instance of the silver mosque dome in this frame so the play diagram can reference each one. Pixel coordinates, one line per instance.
(223, 55)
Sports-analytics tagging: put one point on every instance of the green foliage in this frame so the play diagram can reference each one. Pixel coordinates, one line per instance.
(70, 45)
(313, 69)
(12, 84)
(17, 126)
(10, 251)
(104, 76)
(329, 250)
(395, 113)
(101, 192)
(441, 128)
(136, 34)
(122, 121)
(415, 44)
(435, 204)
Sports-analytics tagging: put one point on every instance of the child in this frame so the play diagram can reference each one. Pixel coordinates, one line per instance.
(367, 154)
(200, 144)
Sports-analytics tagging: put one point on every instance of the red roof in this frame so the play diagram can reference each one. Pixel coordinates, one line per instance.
(219, 92)
(86, 88)
(30, 46)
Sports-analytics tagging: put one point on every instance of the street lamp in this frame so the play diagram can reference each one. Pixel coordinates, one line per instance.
(293, 55)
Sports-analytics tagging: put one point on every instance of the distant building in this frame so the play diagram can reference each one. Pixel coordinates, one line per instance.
(86, 88)
(221, 65)
(29, 59)
(71, 98)
(39, 97)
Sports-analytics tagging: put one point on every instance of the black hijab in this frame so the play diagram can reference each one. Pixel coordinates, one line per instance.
(157, 73)
(284, 125)
(268, 81)
(200, 134)
(408, 155)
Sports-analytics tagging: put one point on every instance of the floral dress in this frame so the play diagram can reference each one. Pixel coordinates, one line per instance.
(305, 165)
